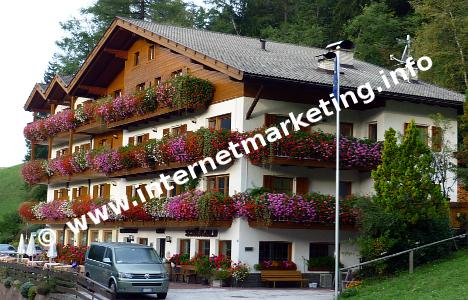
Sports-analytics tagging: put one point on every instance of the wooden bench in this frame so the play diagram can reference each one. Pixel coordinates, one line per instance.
(187, 272)
(282, 276)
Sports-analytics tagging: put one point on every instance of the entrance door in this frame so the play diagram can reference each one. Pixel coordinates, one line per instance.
(162, 247)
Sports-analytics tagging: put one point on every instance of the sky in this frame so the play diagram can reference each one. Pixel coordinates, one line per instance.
(28, 43)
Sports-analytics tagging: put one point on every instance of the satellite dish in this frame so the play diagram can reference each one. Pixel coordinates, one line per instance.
(406, 51)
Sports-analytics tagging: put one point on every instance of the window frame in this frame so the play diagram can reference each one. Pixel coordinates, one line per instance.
(271, 244)
(216, 179)
(136, 58)
(372, 131)
(346, 125)
(217, 120)
(151, 52)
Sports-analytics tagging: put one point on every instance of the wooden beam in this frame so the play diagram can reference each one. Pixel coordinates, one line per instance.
(254, 103)
(97, 90)
(33, 151)
(49, 150)
(122, 54)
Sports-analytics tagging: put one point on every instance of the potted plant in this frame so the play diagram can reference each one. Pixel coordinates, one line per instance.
(239, 273)
(220, 277)
(322, 263)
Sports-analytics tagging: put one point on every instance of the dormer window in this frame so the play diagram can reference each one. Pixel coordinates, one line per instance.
(151, 52)
(136, 58)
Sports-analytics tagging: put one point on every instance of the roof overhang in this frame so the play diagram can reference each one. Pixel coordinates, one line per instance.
(57, 91)
(107, 59)
(36, 101)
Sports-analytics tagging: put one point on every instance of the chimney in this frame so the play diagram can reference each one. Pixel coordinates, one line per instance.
(263, 44)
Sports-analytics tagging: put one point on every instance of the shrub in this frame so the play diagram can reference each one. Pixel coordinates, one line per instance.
(322, 263)
(44, 288)
(17, 283)
(351, 292)
(221, 274)
(7, 282)
(24, 289)
(32, 292)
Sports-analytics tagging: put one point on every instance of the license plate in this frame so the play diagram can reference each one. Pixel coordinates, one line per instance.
(146, 290)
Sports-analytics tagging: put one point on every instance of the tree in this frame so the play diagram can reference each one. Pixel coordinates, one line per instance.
(404, 181)
(443, 160)
(443, 36)
(375, 33)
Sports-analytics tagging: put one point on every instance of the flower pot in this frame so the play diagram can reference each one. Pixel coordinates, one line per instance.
(218, 283)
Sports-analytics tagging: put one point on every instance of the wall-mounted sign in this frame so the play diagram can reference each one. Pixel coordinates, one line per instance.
(248, 249)
(129, 230)
(201, 232)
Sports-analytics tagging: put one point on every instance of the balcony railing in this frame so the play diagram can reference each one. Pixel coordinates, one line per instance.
(183, 93)
(197, 207)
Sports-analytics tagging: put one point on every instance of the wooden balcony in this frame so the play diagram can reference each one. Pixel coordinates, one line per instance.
(293, 225)
(307, 163)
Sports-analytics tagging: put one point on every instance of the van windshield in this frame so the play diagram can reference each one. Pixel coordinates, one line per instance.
(136, 256)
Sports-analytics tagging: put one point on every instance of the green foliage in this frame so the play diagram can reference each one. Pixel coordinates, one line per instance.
(203, 266)
(444, 279)
(24, 288)
(403, 182)
(442, 36)
(207, 204)
(44, 288)
(32, 292)
(7, 282)
(220, 274)
(190, 90)
(322, 263)
(351, 292)
(408, 209)
(370, 32)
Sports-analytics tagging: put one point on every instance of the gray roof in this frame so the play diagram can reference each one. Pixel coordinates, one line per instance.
(66, 79)
(286, 61)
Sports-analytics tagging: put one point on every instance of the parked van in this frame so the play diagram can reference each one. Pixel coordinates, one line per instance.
(127, 268)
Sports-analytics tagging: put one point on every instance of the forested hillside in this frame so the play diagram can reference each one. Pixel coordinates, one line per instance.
(438, 27)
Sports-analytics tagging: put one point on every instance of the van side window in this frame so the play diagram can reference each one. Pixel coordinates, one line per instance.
(96, 253)
(108, 254)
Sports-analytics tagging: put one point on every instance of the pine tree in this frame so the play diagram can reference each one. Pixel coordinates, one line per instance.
(404, 181)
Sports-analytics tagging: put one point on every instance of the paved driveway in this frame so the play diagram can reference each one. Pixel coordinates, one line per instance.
(192, 292)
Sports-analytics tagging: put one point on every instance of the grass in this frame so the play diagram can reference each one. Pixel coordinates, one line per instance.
(443, 279)
(12, 189)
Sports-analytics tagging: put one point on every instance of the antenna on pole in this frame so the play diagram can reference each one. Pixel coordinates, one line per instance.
(406, 51)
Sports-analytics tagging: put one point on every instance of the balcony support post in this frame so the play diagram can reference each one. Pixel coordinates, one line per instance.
(70, 143)
(254, 103)
(49, 150)
(33, 151)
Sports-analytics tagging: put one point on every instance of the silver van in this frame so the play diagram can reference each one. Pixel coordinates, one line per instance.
(127, 268)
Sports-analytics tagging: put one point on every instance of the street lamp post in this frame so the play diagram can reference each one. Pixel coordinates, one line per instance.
(335, 53)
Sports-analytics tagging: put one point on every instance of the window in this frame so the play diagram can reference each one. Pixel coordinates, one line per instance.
(61, 194)
(436, 139)
(143, 241)
(346, 129)
(108, 254)
(372, 134)
(204, 247)
(345, 189)
(321, 250)
(107, 236)
(140, 87)
(101, 191)
(83, 238)
(151, 52)
(83, 148)
(184, 246)
(94, 236)
(70, 238)
(177, 73)
(282, 184)
(220, 122)
(60, 237)
(175, 131)
(96, 252)
(162, 247)
(177, 190)
(423, 134)
(225, 248)
(104, 143)
(219, 183)
(136, 58)
(277, 251)
(117, 93)
(157, 81)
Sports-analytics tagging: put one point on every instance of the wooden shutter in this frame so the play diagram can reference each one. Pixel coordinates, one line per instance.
(129, 190)
(56, 194)
(183, 129)
(106, 191)
(77, 149)
(268, 182)
(145, 137)
(74, 193)
(66, 151)
(84, 192)
(87, 147)
(302, 185)
(131, 140)
(165, 131)
(144, 191)
(436, 138)
(95, 191)
(57, 153)
(64, 194)
(270, 120)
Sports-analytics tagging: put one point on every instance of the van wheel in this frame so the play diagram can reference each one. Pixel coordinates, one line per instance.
(113, 287)
(162, 295)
